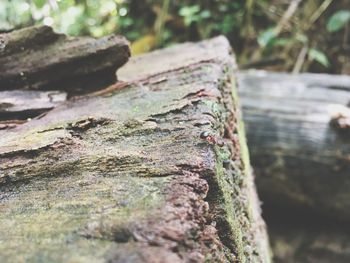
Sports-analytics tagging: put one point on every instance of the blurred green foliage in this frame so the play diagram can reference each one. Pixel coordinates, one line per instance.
(338, 20)
(256, 28)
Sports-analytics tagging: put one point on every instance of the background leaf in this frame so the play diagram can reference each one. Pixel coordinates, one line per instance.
(39, 3)
(338, 20)
(318, 56)
(266, 37)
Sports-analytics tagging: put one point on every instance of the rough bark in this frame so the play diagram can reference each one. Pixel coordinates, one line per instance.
(24, 104)
(299, 139)
(38, 58)
(124, 175)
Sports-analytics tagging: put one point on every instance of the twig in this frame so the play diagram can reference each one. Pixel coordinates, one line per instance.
(286, 17)
(300, 60)
(249, 11)
(346, 37)
(272, 61)
(281, 24)
(159, 25)
(319, 12)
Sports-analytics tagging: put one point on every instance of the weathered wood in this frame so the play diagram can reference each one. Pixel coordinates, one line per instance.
(310, 245)
(38, 58)
(127, 175)
(24, 104)
(297, 239)
(299, 155)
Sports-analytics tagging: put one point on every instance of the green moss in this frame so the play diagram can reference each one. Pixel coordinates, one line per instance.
(214, 106)
(242, 142)
(234, 186)
(234, 230)
(49, 223)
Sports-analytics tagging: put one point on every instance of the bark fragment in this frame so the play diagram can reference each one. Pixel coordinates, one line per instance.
(38, 58)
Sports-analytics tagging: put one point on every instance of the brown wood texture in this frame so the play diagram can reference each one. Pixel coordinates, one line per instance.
(127, 174)
(38, 58)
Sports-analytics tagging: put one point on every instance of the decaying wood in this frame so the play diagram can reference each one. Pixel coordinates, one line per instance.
(125, 176)
(24, 104)
(299, 139)
(38, 58)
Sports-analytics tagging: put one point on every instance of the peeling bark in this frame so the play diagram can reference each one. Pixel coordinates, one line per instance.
(38, 58)
(123, 175)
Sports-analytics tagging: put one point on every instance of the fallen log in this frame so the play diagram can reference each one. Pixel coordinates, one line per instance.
(298, 239)
(38, 58)
(152, 170)
(308, 244)
(299, 139)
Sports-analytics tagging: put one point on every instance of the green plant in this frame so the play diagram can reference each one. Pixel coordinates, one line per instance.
(295, 32)
(338, 20)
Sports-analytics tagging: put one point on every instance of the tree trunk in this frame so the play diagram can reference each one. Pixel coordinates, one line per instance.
(299, 139)
(38, 58)
(154, 169)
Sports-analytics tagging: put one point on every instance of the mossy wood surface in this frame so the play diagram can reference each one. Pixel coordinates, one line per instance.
(38, 58)
(122, 175)
(298, 130)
